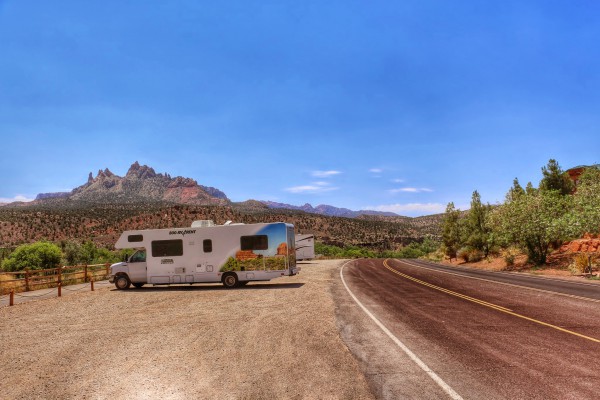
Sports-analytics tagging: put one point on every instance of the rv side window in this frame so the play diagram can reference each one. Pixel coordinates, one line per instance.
(207, 246)
(167, 248)
(256, 242)
(135, 238)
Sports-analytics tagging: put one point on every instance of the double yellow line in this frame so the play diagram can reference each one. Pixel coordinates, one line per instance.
(485, 303)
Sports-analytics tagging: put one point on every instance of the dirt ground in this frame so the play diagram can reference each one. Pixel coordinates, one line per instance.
(267, 340)
(557, 267)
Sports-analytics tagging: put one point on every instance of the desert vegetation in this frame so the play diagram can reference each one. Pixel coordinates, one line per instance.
(532, 220)
(78, 227)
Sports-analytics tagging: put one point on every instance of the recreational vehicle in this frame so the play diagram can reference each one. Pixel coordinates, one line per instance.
(305, 247)
(233, 254)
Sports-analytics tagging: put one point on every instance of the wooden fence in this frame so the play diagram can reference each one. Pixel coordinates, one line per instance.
(24, 281)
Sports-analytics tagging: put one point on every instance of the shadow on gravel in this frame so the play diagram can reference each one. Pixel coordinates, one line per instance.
(192, 288)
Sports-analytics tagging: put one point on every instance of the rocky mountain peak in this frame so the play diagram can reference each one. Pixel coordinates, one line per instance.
(141, 184)
(180, 181)
(140, 171)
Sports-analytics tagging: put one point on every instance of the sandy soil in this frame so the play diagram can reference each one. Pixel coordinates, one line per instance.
(556, 267)
(267, 340)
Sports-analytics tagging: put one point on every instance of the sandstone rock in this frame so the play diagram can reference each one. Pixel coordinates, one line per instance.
(282, 249)
(575, 246)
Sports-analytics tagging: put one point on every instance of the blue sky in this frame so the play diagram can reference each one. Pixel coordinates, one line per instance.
(390, 105)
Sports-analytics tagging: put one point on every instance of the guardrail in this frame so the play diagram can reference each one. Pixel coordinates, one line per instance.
(25, 281)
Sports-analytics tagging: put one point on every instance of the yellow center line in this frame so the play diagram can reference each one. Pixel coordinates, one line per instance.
(504, 283)
(485, 303)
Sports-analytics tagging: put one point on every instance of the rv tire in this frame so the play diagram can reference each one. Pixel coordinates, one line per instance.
(122, 282)
(230, 280)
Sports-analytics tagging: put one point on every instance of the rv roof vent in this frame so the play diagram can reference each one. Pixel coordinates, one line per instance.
(203, 223)
(230, 223)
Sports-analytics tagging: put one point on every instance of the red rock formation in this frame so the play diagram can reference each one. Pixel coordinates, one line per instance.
(182, 182)
(282, 249)
(243, 255)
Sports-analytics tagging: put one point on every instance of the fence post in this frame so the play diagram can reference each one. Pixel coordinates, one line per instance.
(59, 269)
(92, 283)
(12, 297)
(85, 269)
(59, 289)
(27, 280)
(106, 266)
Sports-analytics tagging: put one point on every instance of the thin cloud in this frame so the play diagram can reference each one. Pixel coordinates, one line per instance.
(411, 190)
(410, 208)
(376, 170)
(398, 180)
(325, 174)
(16, 198)
(311, 189)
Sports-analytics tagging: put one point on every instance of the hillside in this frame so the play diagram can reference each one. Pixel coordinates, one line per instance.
(108, 204)
(60, 219)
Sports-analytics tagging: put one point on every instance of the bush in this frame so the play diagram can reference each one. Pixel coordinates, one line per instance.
(40, 255)
(475, 255)
(509, 259)
(463, 253)
(469, 254)
(579, 264)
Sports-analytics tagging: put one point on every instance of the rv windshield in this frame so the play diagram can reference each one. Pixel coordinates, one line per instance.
(138, 256)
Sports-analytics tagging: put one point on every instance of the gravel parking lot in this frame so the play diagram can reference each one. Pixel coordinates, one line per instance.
(267, 340)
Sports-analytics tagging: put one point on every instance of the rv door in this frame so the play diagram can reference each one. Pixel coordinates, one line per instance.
(137, 267)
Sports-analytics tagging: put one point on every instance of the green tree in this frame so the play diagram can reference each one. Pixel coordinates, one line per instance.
(71, 252)
(586, 210)
(534, 222)
(40, 255)
(478, 232)
(515, 191)
(88, 252)
(451, 231)
(529, 189)
(556, 179)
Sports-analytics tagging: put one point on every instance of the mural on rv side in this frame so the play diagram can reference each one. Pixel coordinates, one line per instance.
(273, 258)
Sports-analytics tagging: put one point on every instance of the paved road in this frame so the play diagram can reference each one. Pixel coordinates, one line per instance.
(483, 335)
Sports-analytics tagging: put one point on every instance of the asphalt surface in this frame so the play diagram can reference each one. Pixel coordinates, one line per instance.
(484, 335)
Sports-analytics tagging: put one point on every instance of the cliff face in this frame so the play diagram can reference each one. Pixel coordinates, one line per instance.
(142, 184)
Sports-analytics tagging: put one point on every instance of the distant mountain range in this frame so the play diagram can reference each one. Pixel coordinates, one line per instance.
(331, 211)
(142, 184)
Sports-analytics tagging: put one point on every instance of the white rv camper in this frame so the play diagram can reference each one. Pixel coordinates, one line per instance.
(305, 247)
(233, 254)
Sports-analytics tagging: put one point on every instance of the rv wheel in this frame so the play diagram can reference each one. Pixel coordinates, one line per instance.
(122, 282)
(230, 280)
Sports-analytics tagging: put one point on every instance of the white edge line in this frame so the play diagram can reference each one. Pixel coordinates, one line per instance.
(408, 352)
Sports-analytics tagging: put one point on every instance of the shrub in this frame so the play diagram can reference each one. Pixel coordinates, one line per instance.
(40, 255)
(579, 264)
(463, 253)
(475, 255)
